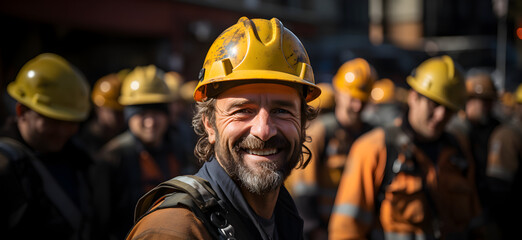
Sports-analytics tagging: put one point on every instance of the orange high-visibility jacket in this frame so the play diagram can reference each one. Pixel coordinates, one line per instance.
(505, 151)
(330, 146)
(407, 210)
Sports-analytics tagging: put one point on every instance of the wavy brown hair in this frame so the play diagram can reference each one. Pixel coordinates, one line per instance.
(204, 150)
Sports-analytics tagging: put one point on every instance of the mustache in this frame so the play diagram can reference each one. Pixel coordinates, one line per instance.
(253, 142)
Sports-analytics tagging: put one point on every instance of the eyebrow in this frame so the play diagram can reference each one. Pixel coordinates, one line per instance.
(282, 103)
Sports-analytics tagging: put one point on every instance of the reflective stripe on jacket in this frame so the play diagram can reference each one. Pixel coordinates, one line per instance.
(314, 188)
(419, 191)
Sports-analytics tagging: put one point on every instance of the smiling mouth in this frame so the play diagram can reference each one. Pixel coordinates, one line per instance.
(261, 152)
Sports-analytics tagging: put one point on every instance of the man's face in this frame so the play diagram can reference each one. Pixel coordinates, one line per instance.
(112, 119)
(42, 133)
(257, 134)
(348, 109)
(149, 126)
(427, 117)
(478, 110)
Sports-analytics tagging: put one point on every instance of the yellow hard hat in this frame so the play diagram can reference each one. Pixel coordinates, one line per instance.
(481, 85)
(518, 94)
(145, 85)
(438, 79)
(174, 81)
(187, 89)
(355, 77)
(107, 89)
(51, 86)
(383, 91)
(327, 98)
(256, 50)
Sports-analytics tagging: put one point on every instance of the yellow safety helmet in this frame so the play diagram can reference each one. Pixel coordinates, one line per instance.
(51, 86)
(145, 85)
(440, 80)
(383, 91)
(187, 89)
(256, 50)
(107, 89)
(518, 94)
(174, 81)
(355, 77)
(327, 98)
(481, 85)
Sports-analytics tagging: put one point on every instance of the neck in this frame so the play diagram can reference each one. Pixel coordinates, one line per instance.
(263, 205)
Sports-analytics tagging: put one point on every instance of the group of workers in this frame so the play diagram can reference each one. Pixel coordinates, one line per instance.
(259, 150)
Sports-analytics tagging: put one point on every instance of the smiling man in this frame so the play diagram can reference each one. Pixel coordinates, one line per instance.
(251, 117)
(411, 181)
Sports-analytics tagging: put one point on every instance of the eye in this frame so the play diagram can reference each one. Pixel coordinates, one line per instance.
(243, 111)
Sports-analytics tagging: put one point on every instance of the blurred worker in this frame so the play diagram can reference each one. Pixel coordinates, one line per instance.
(326, 101)
(504, 173)
(474, 127)
(504, 108)
(251, 119)
(144, 155)
(180, 128)
(43, 174)
(174, 81)
(384, 109)
(332, 134)
(182, 108)
(107, 120)
(411, 181)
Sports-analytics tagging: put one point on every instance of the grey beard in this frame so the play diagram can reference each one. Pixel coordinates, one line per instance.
(261, 182)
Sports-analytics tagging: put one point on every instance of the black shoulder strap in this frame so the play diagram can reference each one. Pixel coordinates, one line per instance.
(396, 140)
(54, 192)
(391, 139)
(194, 193)
(330, 124)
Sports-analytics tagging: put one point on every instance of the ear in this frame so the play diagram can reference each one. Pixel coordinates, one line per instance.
(20, 110)
(412, 97)
(210, 130)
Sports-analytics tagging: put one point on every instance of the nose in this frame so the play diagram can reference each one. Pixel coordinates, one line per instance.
(148, 121)
(263, 126)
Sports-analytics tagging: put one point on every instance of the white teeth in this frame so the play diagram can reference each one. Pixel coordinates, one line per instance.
(261, 152)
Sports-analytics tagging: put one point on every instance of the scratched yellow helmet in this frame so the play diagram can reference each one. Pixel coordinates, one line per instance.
(355, 77)
(255, 50)
(440, 80)
(51, 86)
